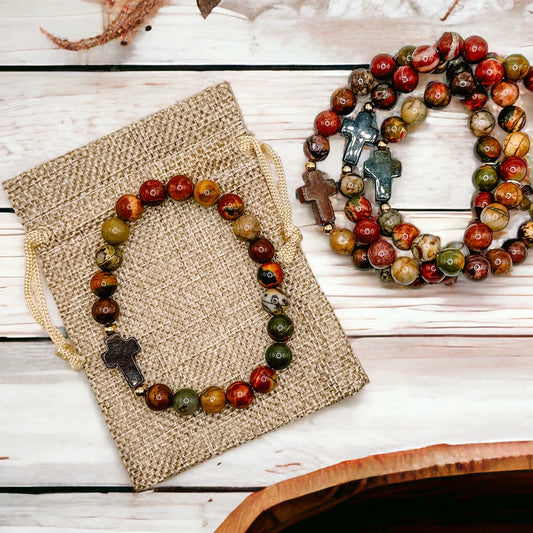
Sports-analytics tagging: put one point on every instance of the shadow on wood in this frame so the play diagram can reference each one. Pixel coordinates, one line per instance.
(472, 487)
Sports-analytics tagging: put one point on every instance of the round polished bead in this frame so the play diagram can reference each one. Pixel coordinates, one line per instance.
(450, 45)
(274, 301)
(213, 399)
(485, 177)
(366, 231)
(108, 257)
(382, 66)
(360, 258)
(475, 48)
(505, 93)
(278, 356)
(185, 402)
(180, 188)
(425, 58)
(152, 192)
(462, 84)
(115, 231)
(393, 129)
(480, 201)
(129, 208)
(351, 185)
(405, 79)
(489, 71)
(105, 310)
(384, 275)
(280, 328)
(414, 110)
(404, 270)
(270, 275)
(104, 284)
(342, 241)
(404, 234)
(525, 233)
(384, 96)
(361, 81)
(476, 99)
(316, 147)
(450, 261)
(437, 95)
(430, 273)
(240, 395)
(495, 216)
(261, 250)
(263, 379)
(327, 123)
(509, 194)
(158, 397)
(513, 168)
(381, 254)
(206, 193)
(512, 118)
(528, 80)
(404, 55)
(426, 247)
(477, 267)
(478, 237)
(230, 206)
(516, 67)
(516, 144)
(388, 220)
(343, 101)
(500, 261)
(516, 249)
(357, 208)
(481, 122)
(487, 148)
(247, 227)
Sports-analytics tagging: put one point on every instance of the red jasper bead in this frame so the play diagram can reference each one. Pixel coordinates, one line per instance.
(327, 123)
(384, 96)
(230, 206)
(382, 66)
(105, 310)
(450, 45)
(528, 80)
(477, 267)
(425, 58)
(405, 79)
(366, 231)
(270, 275)
(381, 254)
(129, 208)
(357, 208)
(517, 249)
(489, 71)
(343, 101)
(180, 188)
(505, 93)
(500, 261)
(104, 284)
(513, 168)
(437, 95)
(478, 237)
(431, 273)
(476, 100)
(475, 49)
(480, 201)
(158, 397)
(152, 192)
(261, 250)
(404, 234)
(263, 379)
(240, 394)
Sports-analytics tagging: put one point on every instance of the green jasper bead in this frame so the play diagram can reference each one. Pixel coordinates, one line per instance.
(185, 402)
(108, 257)
(280, 328)
(115, 231)
(515, 67)
(278, 356)
(485, 177)
(388, 220)
(403, 57)
(450, 261)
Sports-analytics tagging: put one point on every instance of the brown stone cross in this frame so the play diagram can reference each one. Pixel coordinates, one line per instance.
(121, 352)
(317, 191)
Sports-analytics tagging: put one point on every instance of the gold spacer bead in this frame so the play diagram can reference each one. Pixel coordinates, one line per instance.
(368, 107)
(328, 228)
(385, 207)
(382, 144)
(346, 169)
(140, 391)
(310, 165)
(110, 329)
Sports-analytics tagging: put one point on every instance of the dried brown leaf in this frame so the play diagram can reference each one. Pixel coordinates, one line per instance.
(206, 6)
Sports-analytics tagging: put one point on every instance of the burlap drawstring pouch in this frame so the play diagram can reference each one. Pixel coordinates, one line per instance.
(187, 287)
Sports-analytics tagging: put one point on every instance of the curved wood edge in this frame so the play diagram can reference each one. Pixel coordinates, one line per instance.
(433, 461)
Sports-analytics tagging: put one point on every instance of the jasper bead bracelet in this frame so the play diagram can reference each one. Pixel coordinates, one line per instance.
(121, 352)
(380, 239)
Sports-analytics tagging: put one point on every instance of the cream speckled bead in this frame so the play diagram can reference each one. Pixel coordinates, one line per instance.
(247, 227)
(516, 143)
(495, 216)
(404, 270)
(414, 110)
(426, 247)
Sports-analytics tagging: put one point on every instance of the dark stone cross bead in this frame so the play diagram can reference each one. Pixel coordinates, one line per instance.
(121, 353)
(317, 191)
(382, 168)
(363, 130)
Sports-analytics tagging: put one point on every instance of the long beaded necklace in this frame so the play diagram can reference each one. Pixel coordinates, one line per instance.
(383, 241)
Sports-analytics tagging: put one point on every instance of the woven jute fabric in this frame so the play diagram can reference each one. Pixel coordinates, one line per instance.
(187, 288)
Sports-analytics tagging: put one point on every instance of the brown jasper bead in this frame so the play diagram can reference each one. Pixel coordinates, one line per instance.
(487, 148)
(240, 394)
(477, 237)
(342, 241)
(508, 194)
(152, 192)
(516, 249)
(516, 143)
(361, 81)
(500, 261)
(476, 100)
(525, 233)
(263, 379)
(316, 147)
(512, 118)
(129, 208)
(462, 84)
(404, 234)
(261, 250)
(384, 96)
(343, 101)
(327, 123)
(437, 95)
(206, 193)
(158, 397)
(505, 93)
(393, 129)
(360, 259)
(104, 284)
(270, 275)
(180, 188)
(213, 399)
(381, 254)
(477, 267)
(230, 206)
(105, 310)
(247, 227)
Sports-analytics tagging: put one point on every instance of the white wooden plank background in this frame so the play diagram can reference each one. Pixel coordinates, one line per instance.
(446, 365)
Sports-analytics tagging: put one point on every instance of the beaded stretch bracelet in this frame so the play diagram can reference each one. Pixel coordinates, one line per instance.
(121, 352)
(501, 185)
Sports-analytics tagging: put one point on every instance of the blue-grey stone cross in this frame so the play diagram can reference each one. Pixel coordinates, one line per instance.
(363, 130)
(382, 168)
